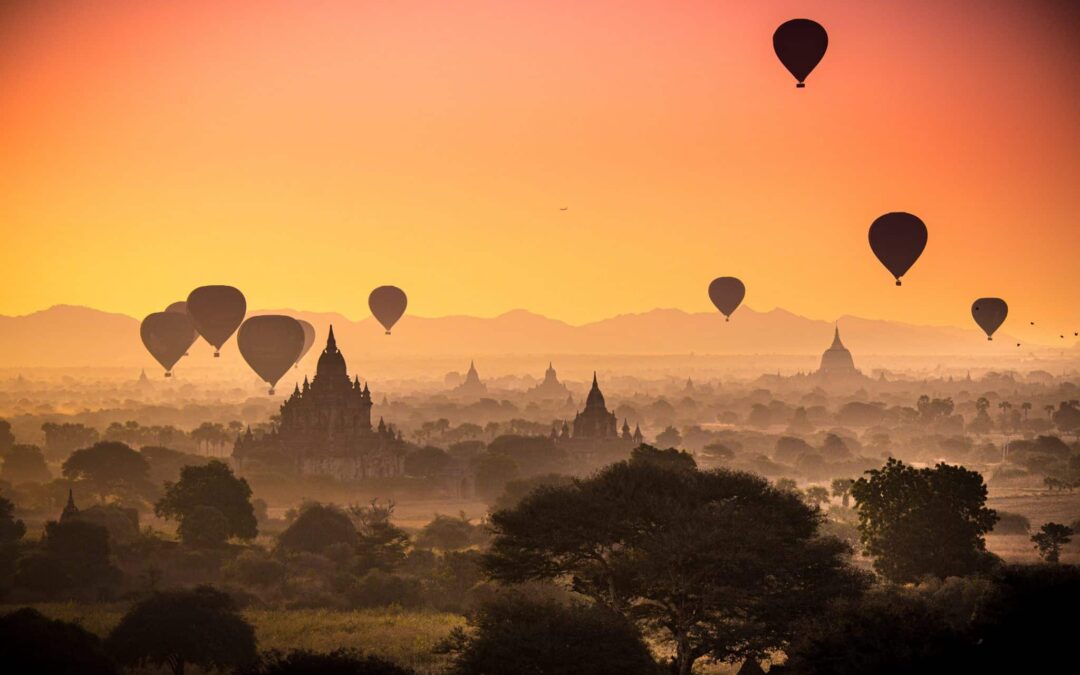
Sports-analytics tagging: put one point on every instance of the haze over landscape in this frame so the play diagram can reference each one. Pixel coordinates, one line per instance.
(491, 337)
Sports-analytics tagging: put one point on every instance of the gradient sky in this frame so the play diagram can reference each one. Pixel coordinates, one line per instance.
(309, 151)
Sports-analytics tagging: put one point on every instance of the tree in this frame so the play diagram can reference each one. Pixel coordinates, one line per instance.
(108, 468)
(1049, 540)
(35, 644)
(516, 490)
(670, 459)
(426, 461)
(204, 527)
(512, 634)
(63, 439)
(918, 522)
(317, 528)
(337, 662)
(447, 533)
(11, 531)
(212, 484)
(380, 544)
(1067, 418)
(493, 472)
(841, 487)
(7, 439)
(669, 438)
(718, 563)
(25, 464)
(530, 454)
(201, 627)
(816, 495)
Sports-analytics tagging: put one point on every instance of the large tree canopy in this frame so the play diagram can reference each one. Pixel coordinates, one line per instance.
(918, 522)
(109, 468)
(211, 485)
(719, 563)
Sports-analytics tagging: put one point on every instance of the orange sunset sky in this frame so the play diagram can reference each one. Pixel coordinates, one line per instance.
(309, 151)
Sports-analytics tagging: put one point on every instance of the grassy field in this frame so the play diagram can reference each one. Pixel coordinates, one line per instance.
(1039, 507)
(405, 637)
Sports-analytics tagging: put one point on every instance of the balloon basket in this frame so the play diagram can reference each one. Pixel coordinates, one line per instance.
(271, 392)
(387, 332)
(800, 85)
(217, 355)
(727, 319)
(898, 283)
(168, 374)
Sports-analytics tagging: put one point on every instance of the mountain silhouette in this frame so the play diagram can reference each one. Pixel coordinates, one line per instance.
(70, 336)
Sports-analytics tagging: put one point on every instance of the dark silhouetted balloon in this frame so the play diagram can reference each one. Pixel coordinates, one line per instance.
(271, 344)
(180, 307)
(216, 311)
(166, 336)
(309, 338)
(727, 294)
(387, 303)
(898, 239)
(800, 44)
(989, 313)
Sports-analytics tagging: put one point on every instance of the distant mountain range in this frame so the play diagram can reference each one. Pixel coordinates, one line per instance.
(70, 336)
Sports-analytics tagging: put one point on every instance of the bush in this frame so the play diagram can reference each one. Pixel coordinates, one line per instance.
(34, 644)
(382, 589)
(317, 528)
(512, 635)
(255, 568)
(1011, 523)
(448, 533)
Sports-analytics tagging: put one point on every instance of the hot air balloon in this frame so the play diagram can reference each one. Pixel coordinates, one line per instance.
(217, 312)
(309, 339)
(166, 335)
(180, 307)
(727, 294)
(989, 313)
(387, 303)
(898, 239)
(800, 44)
(271, 344)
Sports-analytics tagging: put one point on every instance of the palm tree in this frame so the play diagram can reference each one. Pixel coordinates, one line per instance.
(1026, 408)
(1005, 408)
(1049, 411)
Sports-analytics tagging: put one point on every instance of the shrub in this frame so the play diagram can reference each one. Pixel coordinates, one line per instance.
(1011, 523)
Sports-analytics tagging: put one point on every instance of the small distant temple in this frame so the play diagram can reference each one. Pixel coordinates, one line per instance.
(325, 429)
(550, 389)
(472, 387)
(837, 361)
(595, 433)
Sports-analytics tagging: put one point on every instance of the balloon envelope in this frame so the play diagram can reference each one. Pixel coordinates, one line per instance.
(989, 313)
(180, 307)
(727, 294)
(800, 44)
(217, 312)
(166, 335)
(388, 304)
(898, 239)
(309, 338)
(271, 344)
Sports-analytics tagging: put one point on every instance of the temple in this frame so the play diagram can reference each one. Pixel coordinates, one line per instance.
(325, 429)
(472, 387)
(837, 361)
(550, 389)
(595, 436)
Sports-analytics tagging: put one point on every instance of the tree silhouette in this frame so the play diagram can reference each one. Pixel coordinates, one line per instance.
(719, 563)
(917, 522)
(1049, 540)
(841, 487)
(201, 627)
(317, 528)
(108, 468)
(25, 464)
(35, 644)
(212, 485)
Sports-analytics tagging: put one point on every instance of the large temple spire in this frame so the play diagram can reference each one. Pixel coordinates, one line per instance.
(331, 343)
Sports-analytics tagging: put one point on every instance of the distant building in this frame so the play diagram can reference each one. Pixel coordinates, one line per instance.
(837, 361)
(550, 389)
(325, 429)
(472, 387)
(595, 436)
